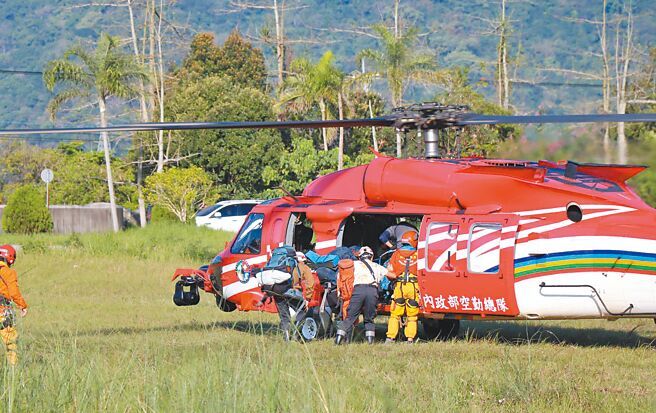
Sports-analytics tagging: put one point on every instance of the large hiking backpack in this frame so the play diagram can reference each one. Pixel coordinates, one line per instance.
(281, 259)
(346, 278)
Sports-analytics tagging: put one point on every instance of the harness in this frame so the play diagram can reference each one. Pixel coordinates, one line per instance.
(408, 279)
(7, 315)
(371, 271)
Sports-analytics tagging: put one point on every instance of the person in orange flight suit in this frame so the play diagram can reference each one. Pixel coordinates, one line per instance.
(402, 268)
(9, 292)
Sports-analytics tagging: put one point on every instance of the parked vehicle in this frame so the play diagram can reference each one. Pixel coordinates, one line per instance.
(225, 215)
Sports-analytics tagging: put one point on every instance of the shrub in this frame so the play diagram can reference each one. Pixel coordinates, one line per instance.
(26, 212)
(161, 214)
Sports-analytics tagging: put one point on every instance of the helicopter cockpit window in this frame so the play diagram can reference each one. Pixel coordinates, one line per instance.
(249, 239)
(484, 249)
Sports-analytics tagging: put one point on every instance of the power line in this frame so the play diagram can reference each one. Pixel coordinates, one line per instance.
(47, 139)
(20, 72)
(544, 83)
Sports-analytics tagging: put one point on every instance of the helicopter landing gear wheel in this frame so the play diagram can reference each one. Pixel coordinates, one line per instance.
(440, 329)
(308, 329)
(224, 304)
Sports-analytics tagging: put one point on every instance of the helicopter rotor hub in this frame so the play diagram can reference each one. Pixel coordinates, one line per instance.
(429, 118)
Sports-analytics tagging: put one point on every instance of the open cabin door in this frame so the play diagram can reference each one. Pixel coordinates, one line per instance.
(466, 264)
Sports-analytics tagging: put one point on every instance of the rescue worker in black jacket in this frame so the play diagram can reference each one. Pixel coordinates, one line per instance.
(367, 276)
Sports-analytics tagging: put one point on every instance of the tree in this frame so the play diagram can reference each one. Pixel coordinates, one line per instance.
(79, 178)
(278, 40)
(299, 166)
(234, 158)
(397, 61)
(82, 75)
(471, 141)
(313, 84)
(236, 59)
(145, 116)
(364, 103)
(21, 164)
(26, 212)
(242, 62)
(201, 61)
(615, 68)
(180, 190)
(503, 78)
(624, 56)
(79, 175)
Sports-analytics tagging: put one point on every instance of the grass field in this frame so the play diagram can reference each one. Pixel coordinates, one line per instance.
(103, 335)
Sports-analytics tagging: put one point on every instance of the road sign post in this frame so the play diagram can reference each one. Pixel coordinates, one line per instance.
(47, 176)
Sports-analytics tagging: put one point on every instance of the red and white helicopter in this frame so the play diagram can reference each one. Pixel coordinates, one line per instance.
(498, 239)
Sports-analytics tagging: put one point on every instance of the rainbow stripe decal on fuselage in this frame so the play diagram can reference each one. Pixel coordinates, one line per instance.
(586, 260)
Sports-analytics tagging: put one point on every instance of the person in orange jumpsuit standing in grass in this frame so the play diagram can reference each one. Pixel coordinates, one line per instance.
(9, 292)
(402, 269)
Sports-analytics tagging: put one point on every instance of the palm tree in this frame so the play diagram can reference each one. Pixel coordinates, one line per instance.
(313, 84)
(95, 76)
(397, 61)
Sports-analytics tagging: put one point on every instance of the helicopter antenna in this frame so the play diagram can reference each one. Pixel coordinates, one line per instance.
(289, 194)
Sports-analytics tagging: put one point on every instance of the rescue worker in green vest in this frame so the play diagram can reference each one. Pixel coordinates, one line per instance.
(402, 269)
(9, 292)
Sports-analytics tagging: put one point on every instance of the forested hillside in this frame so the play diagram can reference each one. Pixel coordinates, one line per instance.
(88, 62)
(542, 35)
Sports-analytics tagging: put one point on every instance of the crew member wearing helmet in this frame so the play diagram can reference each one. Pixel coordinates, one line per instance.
(402, 268)
(367, 276)
(9, 292)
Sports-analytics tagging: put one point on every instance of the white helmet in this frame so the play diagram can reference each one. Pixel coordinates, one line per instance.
(366, 253)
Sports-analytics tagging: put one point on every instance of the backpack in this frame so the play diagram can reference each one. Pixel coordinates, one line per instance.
(327, 275)
(346, 278)
(344, 252)
(317, 261)
(281, 259)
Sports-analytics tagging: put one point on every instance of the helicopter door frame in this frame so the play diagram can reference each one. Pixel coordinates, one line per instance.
(466, 264)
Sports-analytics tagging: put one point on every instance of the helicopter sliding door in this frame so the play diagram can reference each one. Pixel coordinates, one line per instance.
(466, 264)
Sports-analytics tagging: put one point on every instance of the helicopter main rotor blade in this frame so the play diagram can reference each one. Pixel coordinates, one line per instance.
(156, 126)
(400, 120)
(475, 119)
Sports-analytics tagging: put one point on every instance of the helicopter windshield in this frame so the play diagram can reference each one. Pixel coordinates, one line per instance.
(249, 239)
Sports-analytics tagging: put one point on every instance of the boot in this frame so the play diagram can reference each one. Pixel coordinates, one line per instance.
(389, 340)
(371, 337)
(340, 338)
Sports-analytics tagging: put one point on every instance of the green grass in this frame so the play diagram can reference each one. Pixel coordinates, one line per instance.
(103, 335)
